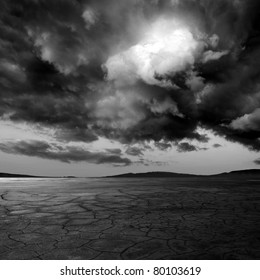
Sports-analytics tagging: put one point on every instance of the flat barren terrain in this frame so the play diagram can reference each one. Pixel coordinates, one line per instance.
(130, 218)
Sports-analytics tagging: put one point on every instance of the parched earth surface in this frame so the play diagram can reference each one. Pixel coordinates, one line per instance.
(129, 218)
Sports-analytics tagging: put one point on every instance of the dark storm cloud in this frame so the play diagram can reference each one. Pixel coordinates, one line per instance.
(163, 145)
(60, 67)
(134, 151)
(217, 145)
(114, 151)
(186, 147)
(68, 154)
(257, 161)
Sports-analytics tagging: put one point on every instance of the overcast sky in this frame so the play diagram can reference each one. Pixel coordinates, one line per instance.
(101, 87)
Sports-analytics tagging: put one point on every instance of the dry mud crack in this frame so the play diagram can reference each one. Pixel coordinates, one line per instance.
(130, 219)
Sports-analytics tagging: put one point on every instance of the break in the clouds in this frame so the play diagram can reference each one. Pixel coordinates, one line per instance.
(130, 71)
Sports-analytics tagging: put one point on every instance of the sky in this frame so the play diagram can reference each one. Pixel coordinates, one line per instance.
(94, 88)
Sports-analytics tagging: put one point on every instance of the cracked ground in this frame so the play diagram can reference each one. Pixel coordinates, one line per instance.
(112, 218)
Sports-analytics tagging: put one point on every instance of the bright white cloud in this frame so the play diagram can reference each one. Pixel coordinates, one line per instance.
(168, 47)
(90, 17)
(210, 55)
(247, 122)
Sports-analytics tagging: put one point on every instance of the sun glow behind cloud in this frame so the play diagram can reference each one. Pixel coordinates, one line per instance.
(169, 45)
(166, 48)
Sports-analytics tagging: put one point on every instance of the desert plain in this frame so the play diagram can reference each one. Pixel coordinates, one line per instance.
(129, 218)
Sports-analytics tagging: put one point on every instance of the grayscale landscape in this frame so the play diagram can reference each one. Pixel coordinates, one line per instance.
(138, 124)
(130, 218)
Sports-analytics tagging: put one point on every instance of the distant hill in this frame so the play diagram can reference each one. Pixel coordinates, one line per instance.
(8, 175)
(152, 175)
(248, 172)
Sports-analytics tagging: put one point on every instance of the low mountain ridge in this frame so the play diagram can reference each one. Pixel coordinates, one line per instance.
(155, 174)
(247, 172)
(10, 175)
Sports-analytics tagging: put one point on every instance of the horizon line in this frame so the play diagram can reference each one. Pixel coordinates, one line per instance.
(121, 174)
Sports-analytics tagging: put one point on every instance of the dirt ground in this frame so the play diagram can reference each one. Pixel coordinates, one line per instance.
(129, 218)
